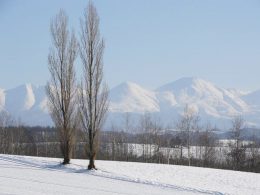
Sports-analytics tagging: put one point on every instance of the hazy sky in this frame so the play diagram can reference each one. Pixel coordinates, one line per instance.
(149, 42)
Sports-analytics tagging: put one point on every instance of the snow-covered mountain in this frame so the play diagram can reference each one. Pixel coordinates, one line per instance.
(253, 98)
(26, 103)
(130, 97)
(214, 104)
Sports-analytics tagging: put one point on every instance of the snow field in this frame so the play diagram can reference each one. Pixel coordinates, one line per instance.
(35, 175)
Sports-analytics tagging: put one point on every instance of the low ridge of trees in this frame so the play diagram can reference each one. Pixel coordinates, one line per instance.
(146, 141)
(13, 136)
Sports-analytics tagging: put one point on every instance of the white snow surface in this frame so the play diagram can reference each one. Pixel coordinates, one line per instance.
(213, 104)
(130, 97)
(38, 175)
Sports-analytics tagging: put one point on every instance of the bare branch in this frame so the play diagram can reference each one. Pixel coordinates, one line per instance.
(61, 89)
(93, 94)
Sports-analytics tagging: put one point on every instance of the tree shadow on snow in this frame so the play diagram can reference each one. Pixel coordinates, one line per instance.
(21, 162)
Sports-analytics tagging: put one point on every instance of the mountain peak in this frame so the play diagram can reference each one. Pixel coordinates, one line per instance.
(188, 79)
(186, 83)
(25, 86)
(128, 84)
(21, 97)
(128, 87)
(131, 97)
(214, 104)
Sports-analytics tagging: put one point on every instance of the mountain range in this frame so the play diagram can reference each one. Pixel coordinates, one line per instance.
(213, 104)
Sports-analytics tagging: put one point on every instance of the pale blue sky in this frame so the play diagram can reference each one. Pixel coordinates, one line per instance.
(149, 42)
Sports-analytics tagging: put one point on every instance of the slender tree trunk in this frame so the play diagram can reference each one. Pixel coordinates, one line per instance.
(92, 161)
(91, 154)
(66, 154)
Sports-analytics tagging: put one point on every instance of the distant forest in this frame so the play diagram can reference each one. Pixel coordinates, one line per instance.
(206, 148)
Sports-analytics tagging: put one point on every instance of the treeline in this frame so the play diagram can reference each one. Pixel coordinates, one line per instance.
(149, 143)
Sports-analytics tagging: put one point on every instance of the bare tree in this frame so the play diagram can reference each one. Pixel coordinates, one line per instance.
(150, 130)
(156, 131)
(145, 136)
(253, 159)
(93, 93)
(61, 89)
(187, 124)
(5, 136)
(237, 152)
(207, 140)
(126, 130)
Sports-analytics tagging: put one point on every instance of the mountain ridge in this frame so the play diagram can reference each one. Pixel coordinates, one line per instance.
(214, 104)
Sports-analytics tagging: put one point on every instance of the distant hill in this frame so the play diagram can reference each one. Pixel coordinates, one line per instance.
(214, 104)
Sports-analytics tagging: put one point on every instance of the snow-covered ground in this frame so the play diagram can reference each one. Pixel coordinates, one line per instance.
(34, 175)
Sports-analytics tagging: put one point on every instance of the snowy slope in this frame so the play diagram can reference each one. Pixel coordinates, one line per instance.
(237, 92)
(205, 97)
(20, 98)
(211, 102)
(32, 175)
(28, 103)
(253, 98)
(214, 104)
(130, 97)
(40, 99)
